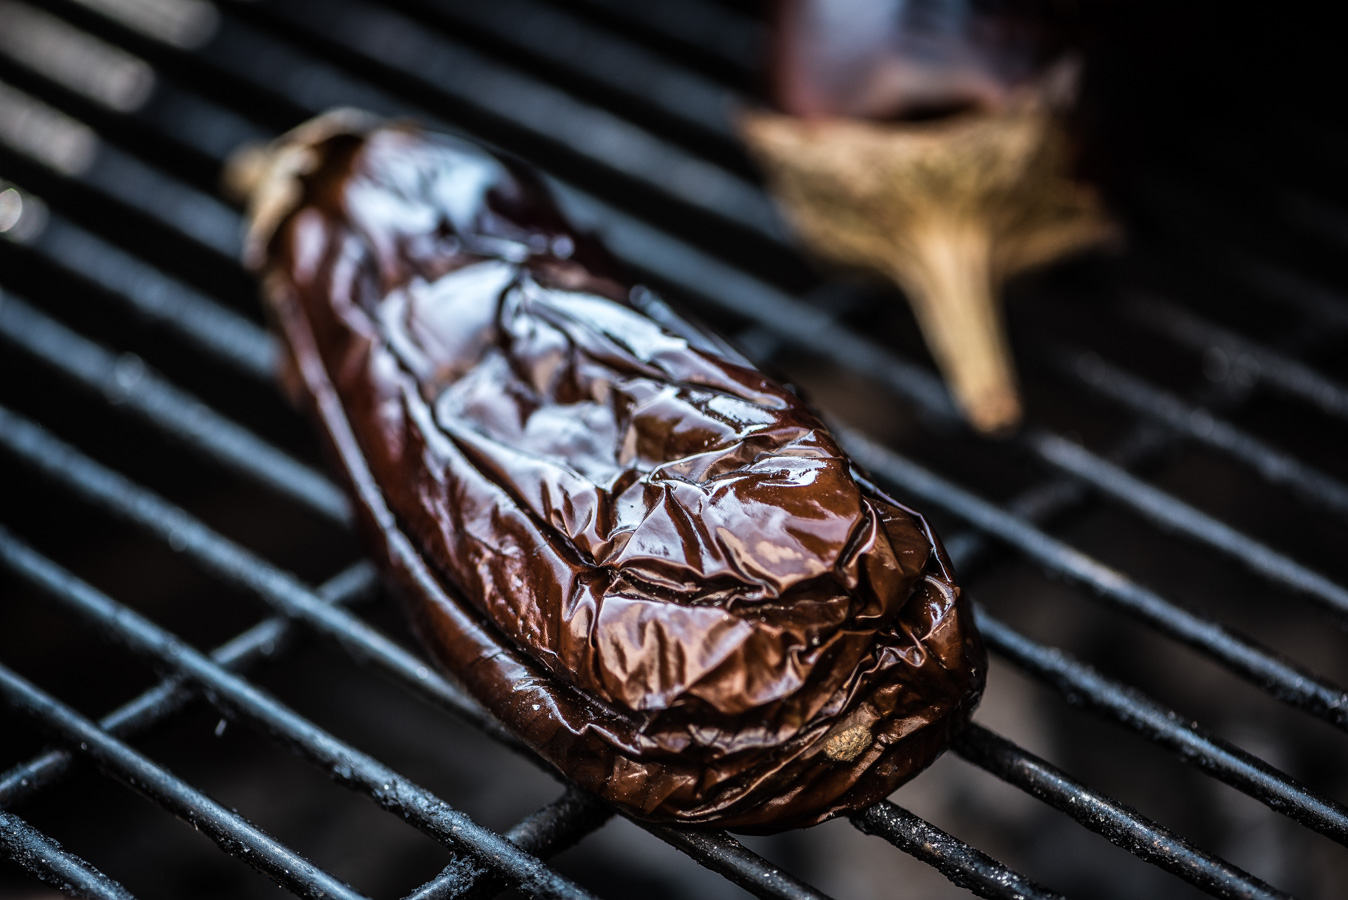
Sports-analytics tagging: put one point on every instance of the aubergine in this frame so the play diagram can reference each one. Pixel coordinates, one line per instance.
(927, 142)
(649, 561)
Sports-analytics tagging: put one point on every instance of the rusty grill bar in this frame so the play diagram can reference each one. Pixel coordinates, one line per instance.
(276, 61)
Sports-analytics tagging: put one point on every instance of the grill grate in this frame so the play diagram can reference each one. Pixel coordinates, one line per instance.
(626, 106)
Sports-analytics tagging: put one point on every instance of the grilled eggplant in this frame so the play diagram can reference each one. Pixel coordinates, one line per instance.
(650, 562)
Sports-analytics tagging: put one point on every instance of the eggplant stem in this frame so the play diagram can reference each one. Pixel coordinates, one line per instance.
(264, 176)
(949, 282)
(946, 209)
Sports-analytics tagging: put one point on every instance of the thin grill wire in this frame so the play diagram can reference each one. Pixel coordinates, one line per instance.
(270, 50)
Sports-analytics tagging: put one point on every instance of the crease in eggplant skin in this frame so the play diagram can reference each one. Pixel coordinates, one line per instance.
(650, 562)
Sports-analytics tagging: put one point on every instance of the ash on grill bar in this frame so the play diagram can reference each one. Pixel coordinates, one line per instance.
(204, 692)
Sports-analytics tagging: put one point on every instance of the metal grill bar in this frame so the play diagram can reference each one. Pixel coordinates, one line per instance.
(128, 381)
(265, 639)
(186, 313)
(1311, 485)
(703, 27)
(347, 765)
(1083, 686)
(1241, 353)
(1295, 291)
(1184, 519)
(46, 859)
(148, 193)
(566, 821)
(604, 59)
(546, 832)
(727, 856)
(231, 832)
(120, 176)
(1121, 825)
(1056, 496)
(965, 866)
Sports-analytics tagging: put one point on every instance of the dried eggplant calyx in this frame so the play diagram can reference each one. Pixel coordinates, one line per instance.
(924, 142)
(650, 562)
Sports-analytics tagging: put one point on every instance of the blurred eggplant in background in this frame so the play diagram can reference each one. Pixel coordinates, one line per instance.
(925, 141)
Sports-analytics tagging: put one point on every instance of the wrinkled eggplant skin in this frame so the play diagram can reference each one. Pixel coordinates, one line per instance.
(649, 561)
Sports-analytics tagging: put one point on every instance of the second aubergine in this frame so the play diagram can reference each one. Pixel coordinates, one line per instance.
(650, 562)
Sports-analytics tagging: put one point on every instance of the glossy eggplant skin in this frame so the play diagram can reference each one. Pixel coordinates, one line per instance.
(649, 561)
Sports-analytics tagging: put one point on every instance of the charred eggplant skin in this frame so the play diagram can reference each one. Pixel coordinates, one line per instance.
(649, 561)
